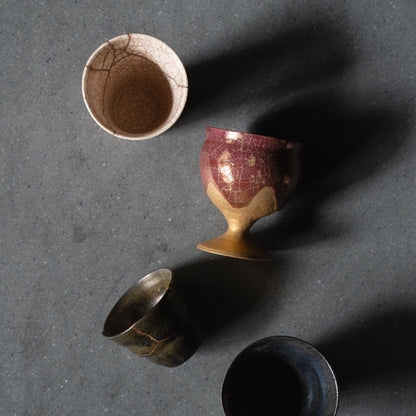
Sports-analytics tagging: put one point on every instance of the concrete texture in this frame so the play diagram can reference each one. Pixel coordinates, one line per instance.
(84, 214)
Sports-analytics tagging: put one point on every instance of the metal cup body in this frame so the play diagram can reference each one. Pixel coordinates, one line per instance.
(154, 322)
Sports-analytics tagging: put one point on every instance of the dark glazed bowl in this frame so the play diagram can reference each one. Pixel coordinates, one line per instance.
(280, 376)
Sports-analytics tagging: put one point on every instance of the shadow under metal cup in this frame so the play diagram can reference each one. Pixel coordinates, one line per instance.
(280, 376)
(152, 321)
(135, 86)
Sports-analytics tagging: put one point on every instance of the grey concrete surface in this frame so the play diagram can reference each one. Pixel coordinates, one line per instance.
(84, 214)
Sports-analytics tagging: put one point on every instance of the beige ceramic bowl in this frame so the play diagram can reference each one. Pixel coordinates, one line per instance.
(135, 86)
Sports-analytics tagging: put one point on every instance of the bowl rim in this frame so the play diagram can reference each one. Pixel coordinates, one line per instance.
(287, 340)
(154, 132)
(245, 133)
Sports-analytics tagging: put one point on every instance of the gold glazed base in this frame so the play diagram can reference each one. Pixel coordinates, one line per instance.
(236, 241)
(238, 247)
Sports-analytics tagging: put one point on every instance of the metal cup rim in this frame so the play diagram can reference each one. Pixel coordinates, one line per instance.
(124, 295)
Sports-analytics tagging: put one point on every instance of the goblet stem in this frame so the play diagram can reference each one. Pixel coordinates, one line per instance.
(235, 242)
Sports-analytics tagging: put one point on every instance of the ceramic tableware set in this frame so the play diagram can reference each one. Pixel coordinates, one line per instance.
(135, 87)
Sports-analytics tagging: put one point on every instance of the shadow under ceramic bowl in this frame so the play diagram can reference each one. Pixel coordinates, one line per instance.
(280, 376)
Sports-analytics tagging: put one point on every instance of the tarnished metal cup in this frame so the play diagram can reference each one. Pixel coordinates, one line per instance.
(153, 321)
(280, 376)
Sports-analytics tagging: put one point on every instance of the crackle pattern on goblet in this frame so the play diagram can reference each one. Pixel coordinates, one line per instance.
(247, 176)
(241, 164)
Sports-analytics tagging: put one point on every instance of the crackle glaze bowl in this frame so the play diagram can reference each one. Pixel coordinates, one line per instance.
(247, 176)
(135, 86)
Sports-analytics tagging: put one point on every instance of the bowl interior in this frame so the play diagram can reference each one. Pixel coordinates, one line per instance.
(280, 376)
(134, 86)
(137, 302)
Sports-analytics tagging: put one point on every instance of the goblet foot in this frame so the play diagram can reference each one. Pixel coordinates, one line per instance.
(236, 241)
(235, 245)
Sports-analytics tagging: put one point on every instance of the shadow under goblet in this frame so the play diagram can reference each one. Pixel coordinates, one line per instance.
(280, 376)
(135, 86)
(152, 321)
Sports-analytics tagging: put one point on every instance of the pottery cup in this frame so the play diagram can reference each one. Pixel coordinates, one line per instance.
(135, 86)
(246, 176)
(280, 376)
(154, 322)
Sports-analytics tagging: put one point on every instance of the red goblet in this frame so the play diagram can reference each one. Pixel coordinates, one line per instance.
(246, 176)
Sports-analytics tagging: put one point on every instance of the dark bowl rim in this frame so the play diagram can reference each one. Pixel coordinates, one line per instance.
(285, 339)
